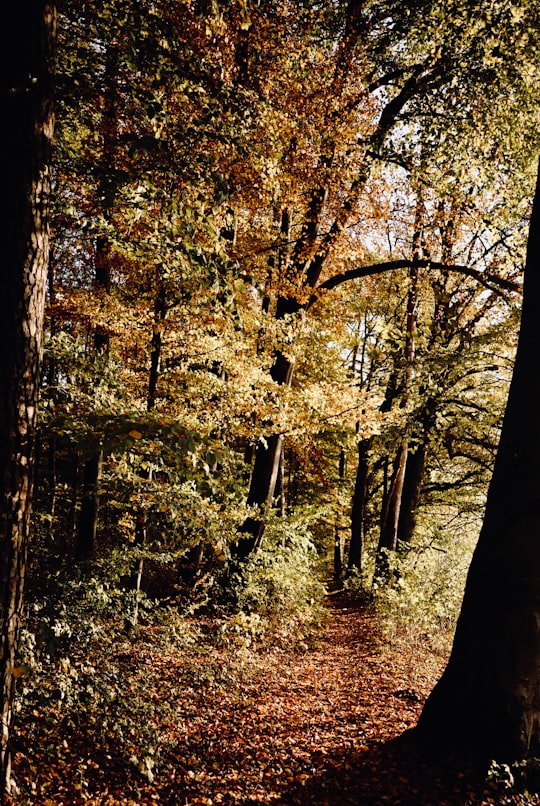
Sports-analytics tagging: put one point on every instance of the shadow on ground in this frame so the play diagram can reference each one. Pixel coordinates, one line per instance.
(394, 773)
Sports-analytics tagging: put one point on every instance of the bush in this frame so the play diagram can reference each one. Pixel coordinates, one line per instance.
(277, 589)
(423, 599)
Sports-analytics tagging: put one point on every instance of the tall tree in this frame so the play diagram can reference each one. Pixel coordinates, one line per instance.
(28, 33)
(85, 544)
(389, 67)
(487, 700)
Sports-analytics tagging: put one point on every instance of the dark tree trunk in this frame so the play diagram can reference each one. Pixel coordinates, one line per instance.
(392, 509)
(27, 53)
(388, 540)
(160, 312)
(74, 462)
(51, 480)
(261, 493)
(280, 491)
(487, 701)
(266, 467)
(358, 514)
(141, 529)
(338, 542)
(88, 519)
(338, 553)
(267, 470)
(410, 496)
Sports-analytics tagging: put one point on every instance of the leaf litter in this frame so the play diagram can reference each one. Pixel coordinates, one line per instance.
(325, 725)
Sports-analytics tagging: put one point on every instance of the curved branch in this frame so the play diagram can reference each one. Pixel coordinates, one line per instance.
(491, 281)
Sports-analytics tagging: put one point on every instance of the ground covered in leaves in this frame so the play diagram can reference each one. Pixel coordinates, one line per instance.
(230, 724)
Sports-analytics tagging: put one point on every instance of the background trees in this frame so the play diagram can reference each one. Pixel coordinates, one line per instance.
(282, 299)
(228, 180)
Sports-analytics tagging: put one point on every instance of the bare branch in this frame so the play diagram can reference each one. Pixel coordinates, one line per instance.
(496, 284)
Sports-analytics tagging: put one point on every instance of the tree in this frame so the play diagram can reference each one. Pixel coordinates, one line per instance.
(28, 36)
(487, 701)
(392, 76)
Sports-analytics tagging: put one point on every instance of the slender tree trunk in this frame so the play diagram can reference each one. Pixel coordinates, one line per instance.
(280, 492)
(52, 479)
(28, 31)
(410, 497)
(160, 312)
(266, 466)
(88, 517)
(261, 493)
(389, 528)
(356, 545)
(487, 701)
(338, 553)
(338, 541)
(74, 462)
(388, 539)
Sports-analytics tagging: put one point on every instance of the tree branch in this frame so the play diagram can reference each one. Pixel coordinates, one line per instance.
(491, 281)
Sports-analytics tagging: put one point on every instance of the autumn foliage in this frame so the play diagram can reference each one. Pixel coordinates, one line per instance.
(281, 318)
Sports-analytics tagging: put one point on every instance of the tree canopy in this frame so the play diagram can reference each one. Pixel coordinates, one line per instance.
(288, 239)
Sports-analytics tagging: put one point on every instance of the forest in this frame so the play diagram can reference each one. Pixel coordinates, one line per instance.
(272, 254)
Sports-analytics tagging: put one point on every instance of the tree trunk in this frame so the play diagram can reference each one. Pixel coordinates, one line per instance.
(88, 518)
(356, 545)
(338, 553)
(160, 312)
(388, 539)
(338, 541)
(410, 496)
(389, 526)
(487, 701)
(135, 580)
(280, 491)
(265, 470)
(27, 50)
(261, 493)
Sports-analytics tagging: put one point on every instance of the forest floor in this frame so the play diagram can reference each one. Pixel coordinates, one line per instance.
(324, 725)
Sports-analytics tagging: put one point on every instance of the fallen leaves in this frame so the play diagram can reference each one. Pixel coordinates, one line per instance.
(316, 727)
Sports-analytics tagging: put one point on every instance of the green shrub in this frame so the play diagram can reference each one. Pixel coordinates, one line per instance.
(277, 589)
(423, 598)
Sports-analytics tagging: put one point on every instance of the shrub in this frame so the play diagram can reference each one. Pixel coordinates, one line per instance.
(277, 589)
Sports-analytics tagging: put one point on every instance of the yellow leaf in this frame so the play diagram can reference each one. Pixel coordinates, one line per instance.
(135, 434)
(17, 671)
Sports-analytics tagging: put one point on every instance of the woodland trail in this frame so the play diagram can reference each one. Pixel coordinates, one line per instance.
(317, 726)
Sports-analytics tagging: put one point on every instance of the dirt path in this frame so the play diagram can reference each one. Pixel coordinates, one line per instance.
(311, 726)
(296, 731)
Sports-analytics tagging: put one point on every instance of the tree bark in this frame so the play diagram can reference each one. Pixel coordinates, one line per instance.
(390, 520)
(261, 493)
(160, 312)
(410, 495)
(28, 33)
(358, 514)
(487, 702)
(338, 541)
(388, 539)
(88, 518)
(141, 529)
